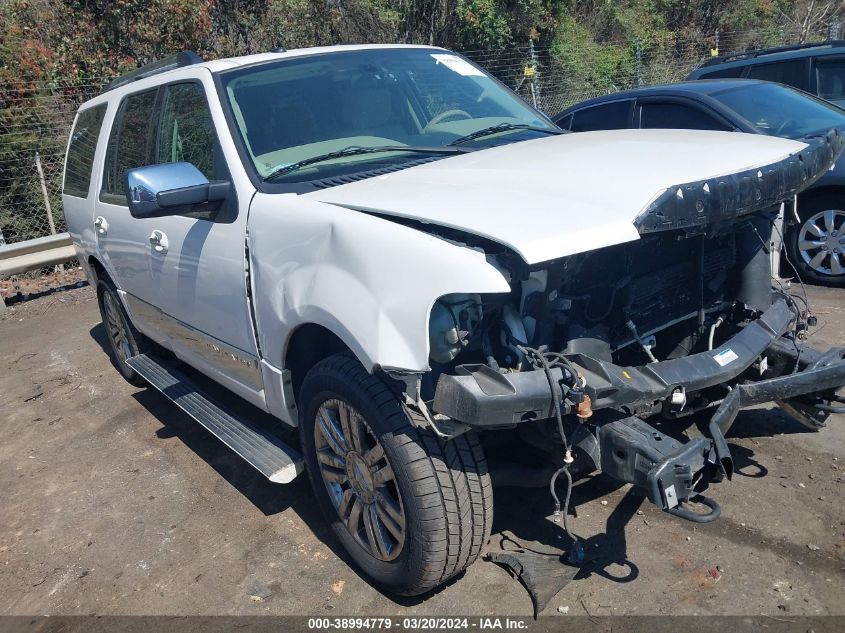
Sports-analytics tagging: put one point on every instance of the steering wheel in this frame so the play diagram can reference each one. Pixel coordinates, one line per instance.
(783, 126)
(447, 114)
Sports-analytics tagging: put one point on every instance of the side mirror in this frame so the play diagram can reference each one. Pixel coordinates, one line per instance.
(170, 189)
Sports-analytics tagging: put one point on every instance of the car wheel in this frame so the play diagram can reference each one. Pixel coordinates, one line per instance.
(817, 244)
(124, 340)
(411, 509)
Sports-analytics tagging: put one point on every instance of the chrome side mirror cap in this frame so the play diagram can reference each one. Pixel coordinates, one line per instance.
(170, 189)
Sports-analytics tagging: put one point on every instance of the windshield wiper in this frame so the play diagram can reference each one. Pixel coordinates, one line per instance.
(355, 151)
(503, 127)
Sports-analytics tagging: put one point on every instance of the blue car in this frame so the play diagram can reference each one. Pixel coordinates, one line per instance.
(815, 240)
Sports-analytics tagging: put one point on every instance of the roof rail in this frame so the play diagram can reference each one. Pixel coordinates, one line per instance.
(180, 59)
(750, 54)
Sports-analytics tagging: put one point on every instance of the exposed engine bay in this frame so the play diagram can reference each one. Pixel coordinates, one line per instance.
(654, 299)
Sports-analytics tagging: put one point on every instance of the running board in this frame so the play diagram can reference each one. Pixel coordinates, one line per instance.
(261, 449)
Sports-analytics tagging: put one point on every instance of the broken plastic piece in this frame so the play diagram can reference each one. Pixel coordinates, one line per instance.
(542, 575)
(576, 554)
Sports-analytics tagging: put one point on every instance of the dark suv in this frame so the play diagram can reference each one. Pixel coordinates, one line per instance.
(816, 68)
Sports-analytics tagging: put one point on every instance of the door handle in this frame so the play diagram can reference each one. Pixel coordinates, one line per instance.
(101, 224)
(158, 241)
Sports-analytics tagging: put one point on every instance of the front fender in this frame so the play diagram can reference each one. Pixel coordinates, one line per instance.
(370, 281)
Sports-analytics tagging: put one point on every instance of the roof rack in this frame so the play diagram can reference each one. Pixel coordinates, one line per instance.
(732, 57)
(180, 59)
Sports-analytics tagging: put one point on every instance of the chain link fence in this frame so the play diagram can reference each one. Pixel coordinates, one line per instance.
(35, 118)
(555, 77)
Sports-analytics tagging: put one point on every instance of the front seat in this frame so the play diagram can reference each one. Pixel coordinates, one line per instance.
(367, 109)
(286, 125)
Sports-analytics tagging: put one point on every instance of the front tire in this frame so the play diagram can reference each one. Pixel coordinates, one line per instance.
(411, 509)
(817, 244)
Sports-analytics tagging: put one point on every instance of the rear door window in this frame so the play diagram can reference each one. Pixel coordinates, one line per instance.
(677, 116)
(830, 78)
(791, 73)
(607, 116)
(80, 153)
(131, 143)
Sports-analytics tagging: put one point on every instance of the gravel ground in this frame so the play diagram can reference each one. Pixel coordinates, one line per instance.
(114, 502)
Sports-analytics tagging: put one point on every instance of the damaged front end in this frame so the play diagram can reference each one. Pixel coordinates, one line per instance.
(763, 361)
(587, 352)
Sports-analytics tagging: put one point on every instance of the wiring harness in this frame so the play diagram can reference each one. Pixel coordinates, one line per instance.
(546, 361)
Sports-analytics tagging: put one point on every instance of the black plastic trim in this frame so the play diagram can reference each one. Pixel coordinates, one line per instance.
(811, 380)
(179, 60)
(703, 203)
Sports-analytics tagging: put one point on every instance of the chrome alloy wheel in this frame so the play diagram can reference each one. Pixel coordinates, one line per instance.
(821, 242)
(116, 327)
(359, 480)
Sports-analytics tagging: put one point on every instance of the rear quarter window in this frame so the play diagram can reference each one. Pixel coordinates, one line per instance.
(791, 73)
(80, 153)
(830, 78)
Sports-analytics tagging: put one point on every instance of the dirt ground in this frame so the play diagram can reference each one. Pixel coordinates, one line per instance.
(114, 502)
(39, 283)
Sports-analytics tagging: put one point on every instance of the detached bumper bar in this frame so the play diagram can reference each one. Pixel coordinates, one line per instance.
(826, 375)
(830, 375)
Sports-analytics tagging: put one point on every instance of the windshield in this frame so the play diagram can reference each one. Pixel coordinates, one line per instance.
(299, 109)
(781, 111)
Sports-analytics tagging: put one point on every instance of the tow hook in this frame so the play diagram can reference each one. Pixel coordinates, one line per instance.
(667, 470)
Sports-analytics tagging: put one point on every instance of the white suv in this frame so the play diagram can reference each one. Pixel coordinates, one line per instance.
(384, 246)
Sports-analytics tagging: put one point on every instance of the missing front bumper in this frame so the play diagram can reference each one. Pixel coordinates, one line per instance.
(670, 472)
(483, 398)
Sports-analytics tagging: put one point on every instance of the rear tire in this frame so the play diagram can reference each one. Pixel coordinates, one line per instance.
(439, 491)
(124, 340)
(816, 246)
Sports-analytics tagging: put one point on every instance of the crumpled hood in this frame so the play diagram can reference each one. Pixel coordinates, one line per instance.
(556, 196)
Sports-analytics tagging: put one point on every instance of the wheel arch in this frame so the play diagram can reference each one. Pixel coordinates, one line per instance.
(824, 198)
(307, 345)
(97, 269)
(818, 193)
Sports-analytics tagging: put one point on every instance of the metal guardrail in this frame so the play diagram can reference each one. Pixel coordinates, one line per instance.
(32, 254)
